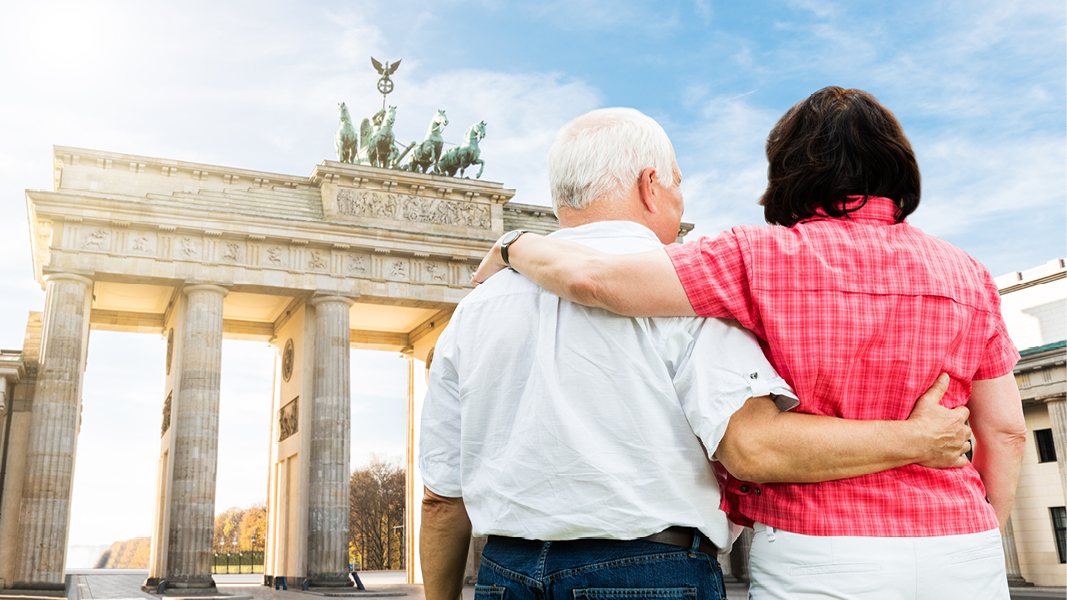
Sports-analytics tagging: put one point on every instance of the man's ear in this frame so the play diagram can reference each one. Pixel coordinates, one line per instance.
(646, 190)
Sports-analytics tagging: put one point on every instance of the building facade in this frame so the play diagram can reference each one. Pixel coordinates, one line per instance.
(1034, 303)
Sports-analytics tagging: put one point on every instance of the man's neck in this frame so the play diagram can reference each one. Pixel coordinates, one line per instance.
(598, 211)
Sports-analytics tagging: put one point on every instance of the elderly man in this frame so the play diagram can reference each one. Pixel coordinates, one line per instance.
(578, 440)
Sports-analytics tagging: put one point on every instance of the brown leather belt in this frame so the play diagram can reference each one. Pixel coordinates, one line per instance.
(683, 537)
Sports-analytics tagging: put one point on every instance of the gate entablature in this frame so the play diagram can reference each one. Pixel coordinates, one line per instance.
(356, 230)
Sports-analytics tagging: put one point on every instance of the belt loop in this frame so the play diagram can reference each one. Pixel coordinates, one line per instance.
(695, 546)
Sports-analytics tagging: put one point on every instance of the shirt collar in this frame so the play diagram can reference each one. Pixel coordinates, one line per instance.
(877, 209)
(606, 229)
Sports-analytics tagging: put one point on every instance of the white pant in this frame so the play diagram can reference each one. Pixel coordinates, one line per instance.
(793, 566)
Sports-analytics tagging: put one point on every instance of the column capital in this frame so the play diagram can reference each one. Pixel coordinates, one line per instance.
(317, 300)
(68, 277)
(197, 288)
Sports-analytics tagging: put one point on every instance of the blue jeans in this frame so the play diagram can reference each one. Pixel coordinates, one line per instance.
(517, 569)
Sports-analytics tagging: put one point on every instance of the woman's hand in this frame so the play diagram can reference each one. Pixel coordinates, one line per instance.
(492, 263)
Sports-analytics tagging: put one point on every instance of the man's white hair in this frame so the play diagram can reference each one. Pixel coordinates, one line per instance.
(600, 155)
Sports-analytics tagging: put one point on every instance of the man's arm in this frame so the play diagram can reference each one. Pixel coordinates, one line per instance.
(443, 542)
(644, 284)
(1000, 439)
(763, 444)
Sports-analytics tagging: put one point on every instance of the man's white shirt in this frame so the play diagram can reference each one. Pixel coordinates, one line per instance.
(558, 421)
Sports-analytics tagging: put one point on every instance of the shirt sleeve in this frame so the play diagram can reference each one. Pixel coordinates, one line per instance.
(723, 367)
(439, 437)
(1000, 355)
(714, 274)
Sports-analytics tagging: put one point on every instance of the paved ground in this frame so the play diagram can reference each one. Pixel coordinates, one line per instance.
(124, 584)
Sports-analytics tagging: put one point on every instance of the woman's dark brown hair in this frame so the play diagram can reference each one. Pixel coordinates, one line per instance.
(833, 144)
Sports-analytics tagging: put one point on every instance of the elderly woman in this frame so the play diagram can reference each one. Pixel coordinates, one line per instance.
(860, 312)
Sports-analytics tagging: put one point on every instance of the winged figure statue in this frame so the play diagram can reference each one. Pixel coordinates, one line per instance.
(387, 70)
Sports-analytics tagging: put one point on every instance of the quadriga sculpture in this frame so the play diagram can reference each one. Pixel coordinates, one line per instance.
(346, 142)
(380, 146)
(464, 156)
(379, 143)
(429, 150)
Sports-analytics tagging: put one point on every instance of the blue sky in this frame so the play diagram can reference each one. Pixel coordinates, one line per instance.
(979, 87)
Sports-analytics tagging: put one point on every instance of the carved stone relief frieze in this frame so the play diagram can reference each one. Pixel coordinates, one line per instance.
(97, 239)
(57, 174)
(170, 348)
(435, 272)
(275, 256)
(187, 248)
(231, 251)
(397, 269)
(166, 415)
(142, 242)
(288, 422)
(400, 207)
(288, 357)
(317, 260)
(357, 265)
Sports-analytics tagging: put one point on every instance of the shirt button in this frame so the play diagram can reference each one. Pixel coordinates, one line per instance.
(744, 488)
(757, 491)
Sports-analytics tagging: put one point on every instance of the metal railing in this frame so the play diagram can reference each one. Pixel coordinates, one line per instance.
(233, 563)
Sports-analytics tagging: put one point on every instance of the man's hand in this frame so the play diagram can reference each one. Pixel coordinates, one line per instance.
(943, 432)
(491, 264)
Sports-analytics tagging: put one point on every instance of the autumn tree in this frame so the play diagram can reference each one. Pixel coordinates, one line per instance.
(227, 527)
(252, 530)
(376, 514)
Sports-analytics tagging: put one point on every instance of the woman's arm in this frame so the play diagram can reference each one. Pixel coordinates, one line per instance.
(1000, 439)
(635, 285)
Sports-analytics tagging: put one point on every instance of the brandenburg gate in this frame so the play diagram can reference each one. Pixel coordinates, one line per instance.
(351, 256)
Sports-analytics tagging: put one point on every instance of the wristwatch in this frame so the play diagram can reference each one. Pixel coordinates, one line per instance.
(509, 239)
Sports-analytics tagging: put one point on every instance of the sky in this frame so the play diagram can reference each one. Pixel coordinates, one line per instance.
(979, 87)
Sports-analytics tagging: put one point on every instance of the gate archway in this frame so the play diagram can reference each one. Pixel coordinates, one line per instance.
(348, 257)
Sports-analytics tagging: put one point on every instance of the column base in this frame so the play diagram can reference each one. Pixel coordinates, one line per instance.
(1018, 582)
(331, 580)
(34, 588)
(151, 585)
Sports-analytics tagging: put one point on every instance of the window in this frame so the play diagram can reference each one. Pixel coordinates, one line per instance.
(1046, 449)
(1059, 530)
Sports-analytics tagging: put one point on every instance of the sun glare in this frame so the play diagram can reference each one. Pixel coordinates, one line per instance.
(70, 36)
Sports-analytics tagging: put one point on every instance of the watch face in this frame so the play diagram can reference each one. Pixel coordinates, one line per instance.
(510, 237)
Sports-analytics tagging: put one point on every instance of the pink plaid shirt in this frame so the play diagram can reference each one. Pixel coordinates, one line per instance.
(859, 314)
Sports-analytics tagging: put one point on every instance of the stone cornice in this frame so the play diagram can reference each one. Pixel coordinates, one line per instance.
(72, 156)
(131, 212)
(404, 182)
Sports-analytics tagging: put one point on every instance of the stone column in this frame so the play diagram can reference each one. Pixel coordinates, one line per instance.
(739, 555)
(195, 422)
(54, 421)
(1011, 558)
(331, 419)
(1057, 416)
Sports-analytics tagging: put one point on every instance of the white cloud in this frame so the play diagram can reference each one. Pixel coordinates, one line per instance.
(723, 164)
(967, 181)
(522, 113)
